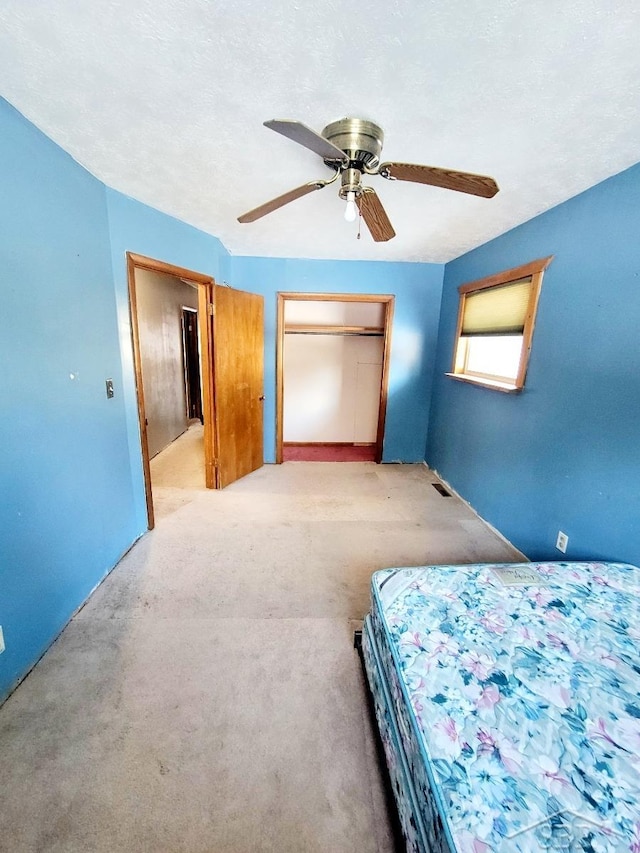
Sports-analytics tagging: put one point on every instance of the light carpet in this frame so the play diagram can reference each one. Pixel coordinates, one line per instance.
(208, 698)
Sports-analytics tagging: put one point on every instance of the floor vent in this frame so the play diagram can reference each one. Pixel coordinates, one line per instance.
(440, 488)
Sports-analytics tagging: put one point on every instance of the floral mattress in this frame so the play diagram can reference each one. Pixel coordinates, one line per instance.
(515, 693)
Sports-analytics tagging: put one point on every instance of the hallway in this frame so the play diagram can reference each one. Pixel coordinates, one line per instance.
(178, 471)
(207, 699)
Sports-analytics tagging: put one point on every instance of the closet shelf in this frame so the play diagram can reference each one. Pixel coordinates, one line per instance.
(315, 329)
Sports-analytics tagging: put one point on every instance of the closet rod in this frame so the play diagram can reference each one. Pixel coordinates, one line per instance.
(342, 334)
(333, 330)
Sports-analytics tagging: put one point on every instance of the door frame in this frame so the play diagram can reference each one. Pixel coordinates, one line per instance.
(205, 296)
(387, 300)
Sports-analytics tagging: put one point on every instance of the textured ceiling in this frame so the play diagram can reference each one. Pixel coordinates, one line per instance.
(164, 100)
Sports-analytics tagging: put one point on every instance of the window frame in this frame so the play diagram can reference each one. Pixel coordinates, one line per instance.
(534, 270)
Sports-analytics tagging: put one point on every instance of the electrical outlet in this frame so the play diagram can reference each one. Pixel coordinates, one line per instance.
(1, 640)
(562, 541)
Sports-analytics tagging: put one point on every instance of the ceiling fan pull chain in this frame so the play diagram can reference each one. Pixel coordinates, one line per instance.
(359, 222)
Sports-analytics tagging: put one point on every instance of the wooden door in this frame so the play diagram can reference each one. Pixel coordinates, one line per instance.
(238, 357)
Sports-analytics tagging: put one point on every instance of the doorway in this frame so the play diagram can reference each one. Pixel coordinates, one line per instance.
(332, 375)
(191, 360)
(229, 336)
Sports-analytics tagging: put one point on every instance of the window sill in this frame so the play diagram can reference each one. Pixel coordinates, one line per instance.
(494, 384)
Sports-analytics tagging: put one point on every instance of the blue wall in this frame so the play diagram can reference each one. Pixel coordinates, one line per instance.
(417, 288)
(72, 491)
(67, 507)
(565, 453)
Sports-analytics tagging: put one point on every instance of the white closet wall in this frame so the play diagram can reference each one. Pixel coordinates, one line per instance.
(327, 313)
(332, 381)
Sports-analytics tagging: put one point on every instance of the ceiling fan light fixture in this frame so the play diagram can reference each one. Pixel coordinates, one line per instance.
(350, 189)
(351, 210)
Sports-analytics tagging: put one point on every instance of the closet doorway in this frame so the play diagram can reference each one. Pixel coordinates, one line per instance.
(332, 375)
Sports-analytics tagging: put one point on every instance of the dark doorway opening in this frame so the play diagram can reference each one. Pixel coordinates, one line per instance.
(192, 363)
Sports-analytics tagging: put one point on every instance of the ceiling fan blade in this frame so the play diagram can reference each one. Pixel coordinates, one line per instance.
(281, 200)
(462, 182)
(375, 216)
(303, 135)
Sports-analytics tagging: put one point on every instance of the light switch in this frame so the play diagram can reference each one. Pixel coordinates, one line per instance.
(109, 384)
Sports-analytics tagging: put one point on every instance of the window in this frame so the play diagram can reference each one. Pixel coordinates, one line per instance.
(496, 316)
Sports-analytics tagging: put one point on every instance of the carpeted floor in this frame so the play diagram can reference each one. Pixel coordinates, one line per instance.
(208, 699)
(329, 452)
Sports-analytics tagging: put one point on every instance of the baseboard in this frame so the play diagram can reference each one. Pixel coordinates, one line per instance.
(28, 672)
(493, 529)
(328, 444)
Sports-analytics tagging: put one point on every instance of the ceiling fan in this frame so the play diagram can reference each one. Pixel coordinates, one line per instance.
(352, 148)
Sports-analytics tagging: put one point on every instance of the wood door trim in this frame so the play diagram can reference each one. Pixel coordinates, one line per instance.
(145, 263)
(205, 322)
(137, 361)
(384, 382)
(279, 378)
(388, 300)
(204, 283)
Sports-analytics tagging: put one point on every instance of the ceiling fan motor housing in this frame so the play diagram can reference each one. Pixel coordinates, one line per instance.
(360, 140)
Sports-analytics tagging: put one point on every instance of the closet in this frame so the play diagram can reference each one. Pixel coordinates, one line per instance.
(332, 371)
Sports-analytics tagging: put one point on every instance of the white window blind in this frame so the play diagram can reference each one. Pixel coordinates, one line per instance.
(497, 310)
